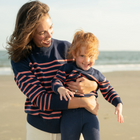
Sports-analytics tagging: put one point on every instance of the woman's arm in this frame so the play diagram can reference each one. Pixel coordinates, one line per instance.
(33, 89)
(83, 85)
(89, 103)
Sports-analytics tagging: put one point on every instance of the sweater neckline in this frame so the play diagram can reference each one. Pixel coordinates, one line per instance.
(44, 50)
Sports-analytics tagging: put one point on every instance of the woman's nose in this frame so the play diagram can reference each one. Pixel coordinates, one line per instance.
(48, 34)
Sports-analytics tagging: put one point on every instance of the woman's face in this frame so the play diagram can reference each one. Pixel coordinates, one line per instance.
(43, 33)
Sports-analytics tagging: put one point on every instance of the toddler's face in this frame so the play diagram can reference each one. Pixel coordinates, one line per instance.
(84, 61)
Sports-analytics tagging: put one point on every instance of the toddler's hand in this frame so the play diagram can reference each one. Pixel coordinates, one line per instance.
(118, 112)
(65, 93)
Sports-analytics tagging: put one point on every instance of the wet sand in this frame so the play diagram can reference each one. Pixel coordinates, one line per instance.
(127, 85)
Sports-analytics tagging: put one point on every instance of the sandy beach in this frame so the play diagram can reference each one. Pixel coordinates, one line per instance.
(126, 83)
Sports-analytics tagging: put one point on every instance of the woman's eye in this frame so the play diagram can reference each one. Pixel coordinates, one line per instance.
(42, 33)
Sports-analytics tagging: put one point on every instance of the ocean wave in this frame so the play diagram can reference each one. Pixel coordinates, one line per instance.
(101, 68)
(119, 67)
(6, 71)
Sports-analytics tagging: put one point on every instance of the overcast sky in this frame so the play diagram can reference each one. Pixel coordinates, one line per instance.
(116, 23)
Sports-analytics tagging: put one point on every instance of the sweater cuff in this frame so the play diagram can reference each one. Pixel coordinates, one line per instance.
(116, 101)
(57, 104)
(56, 88)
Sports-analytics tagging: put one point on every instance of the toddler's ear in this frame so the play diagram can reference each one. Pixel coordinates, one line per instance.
(73, 54)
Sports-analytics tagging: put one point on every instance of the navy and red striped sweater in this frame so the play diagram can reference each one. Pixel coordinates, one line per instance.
(33, 77)
(70, 72)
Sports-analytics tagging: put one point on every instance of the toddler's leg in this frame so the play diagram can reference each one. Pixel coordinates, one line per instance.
(91, 128)
(70, 125)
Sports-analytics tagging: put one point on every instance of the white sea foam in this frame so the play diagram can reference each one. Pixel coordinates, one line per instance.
(5, 71)
(119, 67)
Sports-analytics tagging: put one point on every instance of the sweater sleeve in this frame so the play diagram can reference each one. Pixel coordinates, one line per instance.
(108, 91)
(31, 86)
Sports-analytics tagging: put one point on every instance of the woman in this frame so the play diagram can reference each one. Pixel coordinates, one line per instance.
(35, 59)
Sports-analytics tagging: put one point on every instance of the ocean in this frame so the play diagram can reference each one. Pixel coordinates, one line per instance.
(107, 61)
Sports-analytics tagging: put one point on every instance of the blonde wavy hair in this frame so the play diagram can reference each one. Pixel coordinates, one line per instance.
(20, 44)
(88, 40)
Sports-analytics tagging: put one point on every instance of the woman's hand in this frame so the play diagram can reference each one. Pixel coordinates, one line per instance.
(82, 85)
(89, 103)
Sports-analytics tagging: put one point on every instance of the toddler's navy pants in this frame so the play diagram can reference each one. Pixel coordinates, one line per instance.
(77, 121)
